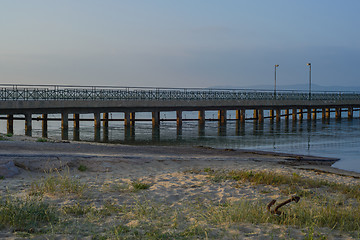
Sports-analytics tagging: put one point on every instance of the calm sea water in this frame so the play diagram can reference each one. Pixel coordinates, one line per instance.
(332, 138)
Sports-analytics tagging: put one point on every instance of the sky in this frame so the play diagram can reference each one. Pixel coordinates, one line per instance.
(187, 43)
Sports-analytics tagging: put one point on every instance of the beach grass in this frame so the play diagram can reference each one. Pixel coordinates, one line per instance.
(58, 183)
(141, 217)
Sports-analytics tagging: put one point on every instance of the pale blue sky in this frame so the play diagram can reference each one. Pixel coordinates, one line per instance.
(197, 43)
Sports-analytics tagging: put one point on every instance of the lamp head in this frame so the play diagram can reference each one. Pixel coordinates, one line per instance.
(276, 65)
(309, 64)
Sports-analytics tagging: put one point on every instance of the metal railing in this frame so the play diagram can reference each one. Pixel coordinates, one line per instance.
(69, 92)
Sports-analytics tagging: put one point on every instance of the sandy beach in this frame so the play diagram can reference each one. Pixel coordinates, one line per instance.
(169, 184)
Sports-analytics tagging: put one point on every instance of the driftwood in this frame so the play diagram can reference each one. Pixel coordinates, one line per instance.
(276, 210)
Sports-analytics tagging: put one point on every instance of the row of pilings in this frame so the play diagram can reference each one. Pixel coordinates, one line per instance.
(129, 119)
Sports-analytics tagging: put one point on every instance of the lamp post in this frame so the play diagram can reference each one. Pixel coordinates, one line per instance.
(309, 64)
(276, 65)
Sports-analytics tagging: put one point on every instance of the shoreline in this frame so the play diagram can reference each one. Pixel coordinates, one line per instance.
(28, 150)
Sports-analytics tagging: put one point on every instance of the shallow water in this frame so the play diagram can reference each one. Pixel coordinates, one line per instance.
(331, 138)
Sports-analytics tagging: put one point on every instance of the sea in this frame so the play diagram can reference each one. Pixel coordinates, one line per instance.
(327, 138)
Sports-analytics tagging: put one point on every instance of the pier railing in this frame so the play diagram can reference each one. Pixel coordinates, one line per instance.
(67, 92)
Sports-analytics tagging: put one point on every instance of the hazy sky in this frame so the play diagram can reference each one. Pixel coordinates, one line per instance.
(197, 43)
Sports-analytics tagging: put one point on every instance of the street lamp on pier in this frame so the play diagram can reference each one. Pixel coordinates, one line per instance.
(276, 65)
(309, 64)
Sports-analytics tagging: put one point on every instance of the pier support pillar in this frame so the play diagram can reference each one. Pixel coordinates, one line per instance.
(271, 113)
(132, 118)
(301, 114)
(286, 114)
(106, 120)
(126, 119)
(28, 125)
(201, 117)
(337, 113)
(76, 133)
(323, 113)
(278, 115)
(261, 115)
(256, 114)
(179, 118)
(156, 119)
(350, 112)
(97, 124)
(314, 113)
(64, 126)
(44, 125)
(222, 117)
(327, 113)
(240, 115)
(10, 124)
(294, 114)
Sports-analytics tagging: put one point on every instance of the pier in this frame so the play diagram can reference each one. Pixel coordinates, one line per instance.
(72, 101)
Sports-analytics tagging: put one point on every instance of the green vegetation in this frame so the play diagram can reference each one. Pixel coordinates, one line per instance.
(27, 214)
(2, 177)
(57, 184)
(82, 168)
(9, 135)
(133, 214)
(137, 185)
(41, 140)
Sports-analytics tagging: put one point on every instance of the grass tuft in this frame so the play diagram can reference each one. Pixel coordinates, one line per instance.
(41, 140)
(82, 168)
(137, 185)
(27, 214)
(58, 184)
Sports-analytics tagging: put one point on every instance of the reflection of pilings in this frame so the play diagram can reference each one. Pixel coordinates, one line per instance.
(323, 113)
(156, 133)
(201, 130)
(129, 133)
(222, 117)
(105, 134)
(179, 119)
(44, 126)
(76, 133)
(222, 129)
(240, 128)
(287, 114)
(308, 113)
(338, 113)
(179, 132)
(10, 124)
(156, 119)
(64, 126)
(28, 126)
(350, 112)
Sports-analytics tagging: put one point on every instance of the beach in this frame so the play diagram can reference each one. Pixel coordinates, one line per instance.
(152, 192)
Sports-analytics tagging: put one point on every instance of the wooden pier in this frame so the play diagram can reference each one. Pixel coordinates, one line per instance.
(73, 101)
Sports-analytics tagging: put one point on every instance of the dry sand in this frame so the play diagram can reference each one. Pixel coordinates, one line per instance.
(168, 170)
